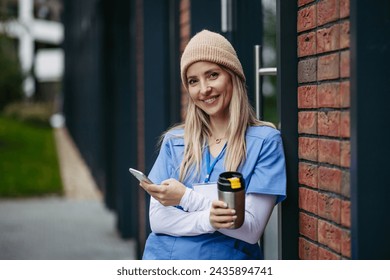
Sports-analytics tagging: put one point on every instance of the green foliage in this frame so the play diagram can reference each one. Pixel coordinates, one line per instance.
(28, 160)
(11, 77)
(33, 112)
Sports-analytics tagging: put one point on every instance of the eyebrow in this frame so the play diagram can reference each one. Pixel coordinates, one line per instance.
(214, 69)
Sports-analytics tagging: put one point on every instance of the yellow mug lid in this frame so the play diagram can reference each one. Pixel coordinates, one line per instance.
(235, 182)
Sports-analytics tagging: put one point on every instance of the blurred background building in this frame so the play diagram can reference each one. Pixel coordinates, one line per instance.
(38, 32)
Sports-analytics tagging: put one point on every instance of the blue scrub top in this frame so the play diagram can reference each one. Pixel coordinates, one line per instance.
(263, 171)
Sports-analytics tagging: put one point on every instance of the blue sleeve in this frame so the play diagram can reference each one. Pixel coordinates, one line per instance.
(161, 169)
(269, 174)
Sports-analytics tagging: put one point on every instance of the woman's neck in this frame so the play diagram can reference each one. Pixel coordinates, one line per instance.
(219, 127)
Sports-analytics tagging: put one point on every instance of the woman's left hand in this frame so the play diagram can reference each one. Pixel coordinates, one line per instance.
(221, 216)
(169, 193)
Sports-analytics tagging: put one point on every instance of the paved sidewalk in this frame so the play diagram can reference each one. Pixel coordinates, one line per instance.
(76, 178)
(74, 227)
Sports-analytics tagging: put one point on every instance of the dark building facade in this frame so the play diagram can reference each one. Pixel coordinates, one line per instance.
(122, 89)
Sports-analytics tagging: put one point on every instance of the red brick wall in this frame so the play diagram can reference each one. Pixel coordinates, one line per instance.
(323, 127)
(185, 34)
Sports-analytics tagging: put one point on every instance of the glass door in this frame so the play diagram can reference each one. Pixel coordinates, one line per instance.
(265, 77)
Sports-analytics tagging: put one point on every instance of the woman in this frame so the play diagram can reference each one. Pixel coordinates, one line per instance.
(220, 133)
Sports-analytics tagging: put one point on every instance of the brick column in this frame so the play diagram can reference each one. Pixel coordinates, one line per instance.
(323, 127)
(185, 36)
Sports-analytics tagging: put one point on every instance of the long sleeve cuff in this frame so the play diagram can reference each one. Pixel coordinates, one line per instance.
(193, 201)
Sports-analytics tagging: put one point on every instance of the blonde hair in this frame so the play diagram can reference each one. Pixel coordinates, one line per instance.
(197, 130)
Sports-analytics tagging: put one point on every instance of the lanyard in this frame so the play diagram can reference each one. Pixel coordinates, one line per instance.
(210, 168)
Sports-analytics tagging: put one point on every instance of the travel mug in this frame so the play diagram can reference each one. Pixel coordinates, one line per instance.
(231, 190)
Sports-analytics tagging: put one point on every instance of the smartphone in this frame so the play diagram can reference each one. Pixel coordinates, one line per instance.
(140, 176)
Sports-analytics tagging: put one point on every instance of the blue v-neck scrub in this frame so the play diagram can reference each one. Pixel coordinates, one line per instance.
(263, 171)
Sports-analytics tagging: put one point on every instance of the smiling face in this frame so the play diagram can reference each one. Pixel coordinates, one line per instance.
(210, 88)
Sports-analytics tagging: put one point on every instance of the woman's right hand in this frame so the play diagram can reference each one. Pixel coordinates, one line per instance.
(221, 216)
(169, 193)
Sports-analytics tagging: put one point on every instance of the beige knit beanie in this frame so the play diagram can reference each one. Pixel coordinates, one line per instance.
(212, 47)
